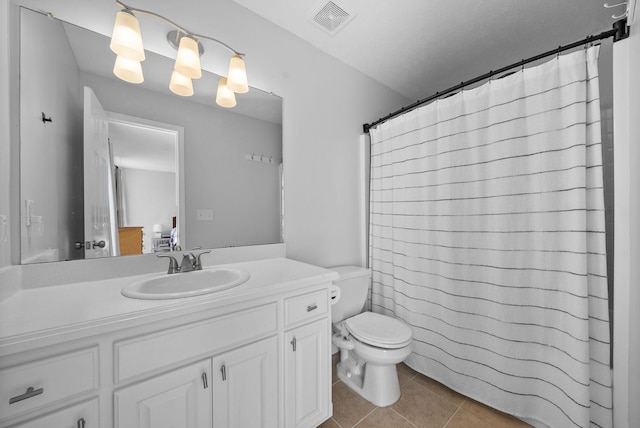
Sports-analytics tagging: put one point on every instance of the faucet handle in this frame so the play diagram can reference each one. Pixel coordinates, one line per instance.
(173, 263)
(198, 263)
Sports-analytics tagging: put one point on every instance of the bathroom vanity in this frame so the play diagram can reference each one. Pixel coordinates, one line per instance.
(83, 355)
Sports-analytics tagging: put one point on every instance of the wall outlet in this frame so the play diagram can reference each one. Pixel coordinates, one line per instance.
(204, 215)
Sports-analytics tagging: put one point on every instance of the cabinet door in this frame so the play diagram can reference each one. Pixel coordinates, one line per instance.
(245, 389)
(83, 415)
(181, 398)
(307, 375)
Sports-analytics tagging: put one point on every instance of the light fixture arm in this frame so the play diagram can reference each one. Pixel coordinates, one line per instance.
(176, 26)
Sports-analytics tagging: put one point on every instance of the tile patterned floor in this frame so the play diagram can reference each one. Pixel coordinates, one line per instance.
(423, 403)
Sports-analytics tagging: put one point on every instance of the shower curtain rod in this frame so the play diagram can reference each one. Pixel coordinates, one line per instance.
(620, 31)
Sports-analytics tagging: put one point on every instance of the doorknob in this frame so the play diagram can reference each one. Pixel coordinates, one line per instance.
(80, 244)
(89, 245)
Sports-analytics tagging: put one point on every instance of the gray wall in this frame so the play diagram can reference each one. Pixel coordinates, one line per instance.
(51, 153)
(150, 198)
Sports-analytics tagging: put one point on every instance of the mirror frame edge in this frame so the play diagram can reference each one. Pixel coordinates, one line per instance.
(15, 210)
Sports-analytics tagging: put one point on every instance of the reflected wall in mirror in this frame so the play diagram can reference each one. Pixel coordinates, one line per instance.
(219, 178)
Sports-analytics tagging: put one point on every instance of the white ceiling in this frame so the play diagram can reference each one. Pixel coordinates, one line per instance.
(415, 47)
(418, 47)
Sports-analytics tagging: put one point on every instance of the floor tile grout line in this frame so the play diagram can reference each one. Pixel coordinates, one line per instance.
(457, 406)
(337, 423)
(450, 418)
(444, 397)
(365, 417)
(402, 416)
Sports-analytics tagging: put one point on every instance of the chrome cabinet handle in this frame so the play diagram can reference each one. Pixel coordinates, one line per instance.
(293, 344)
(312, 307)
(223, 370)
(204, 381)
(31, 392)
(81, 423)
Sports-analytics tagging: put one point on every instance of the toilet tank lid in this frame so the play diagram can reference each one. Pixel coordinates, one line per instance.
(347, 272)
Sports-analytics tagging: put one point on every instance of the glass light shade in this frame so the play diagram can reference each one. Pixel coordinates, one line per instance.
(225, 96)
(237, 76)
(128, 70)
(181, 85)
(188, 59)
(126, 39)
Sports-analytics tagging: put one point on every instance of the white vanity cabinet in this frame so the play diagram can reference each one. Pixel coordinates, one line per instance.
(256, 358)
(259, 354)
(242, 391)
(245, 386)
(180, 398)
(307, 372)
(307, 375)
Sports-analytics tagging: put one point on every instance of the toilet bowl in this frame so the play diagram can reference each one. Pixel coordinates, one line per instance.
(370, 344)
(374, 345)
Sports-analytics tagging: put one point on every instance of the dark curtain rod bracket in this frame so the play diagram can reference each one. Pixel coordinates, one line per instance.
(620, 31)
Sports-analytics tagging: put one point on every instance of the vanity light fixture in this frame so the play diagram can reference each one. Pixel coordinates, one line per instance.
(181, 85)
(225, 96)
(128, 70)
(126, 43)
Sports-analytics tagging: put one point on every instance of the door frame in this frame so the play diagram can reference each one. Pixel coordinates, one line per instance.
(178, 132)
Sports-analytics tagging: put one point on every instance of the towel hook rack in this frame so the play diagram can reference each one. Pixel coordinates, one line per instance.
(626, 11)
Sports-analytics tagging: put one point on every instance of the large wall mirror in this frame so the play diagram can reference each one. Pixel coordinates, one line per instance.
(174, 166)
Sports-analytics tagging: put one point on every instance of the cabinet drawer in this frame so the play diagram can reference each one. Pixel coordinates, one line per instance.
(84, 415)
(24, 388)
(306, 306)
(144, 354)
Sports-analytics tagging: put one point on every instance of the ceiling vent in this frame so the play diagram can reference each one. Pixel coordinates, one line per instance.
(330, 17)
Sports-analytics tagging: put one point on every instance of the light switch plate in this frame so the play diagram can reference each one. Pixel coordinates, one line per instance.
(204, 215)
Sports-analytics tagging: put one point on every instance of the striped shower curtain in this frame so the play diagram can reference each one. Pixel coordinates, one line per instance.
(487, 238)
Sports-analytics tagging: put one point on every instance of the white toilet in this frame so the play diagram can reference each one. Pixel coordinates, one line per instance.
(370, 344)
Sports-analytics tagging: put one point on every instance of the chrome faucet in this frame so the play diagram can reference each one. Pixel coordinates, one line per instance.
(190, 262)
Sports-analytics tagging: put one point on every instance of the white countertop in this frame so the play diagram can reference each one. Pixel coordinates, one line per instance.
(34, 317)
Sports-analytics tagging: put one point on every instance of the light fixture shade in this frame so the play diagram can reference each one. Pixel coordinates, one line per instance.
(181, 85)
(128, 70)
(188, 59)
(126, 40)
(225, 96)
(237, 76)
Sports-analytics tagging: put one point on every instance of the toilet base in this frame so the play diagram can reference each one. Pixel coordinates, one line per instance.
(377, 384)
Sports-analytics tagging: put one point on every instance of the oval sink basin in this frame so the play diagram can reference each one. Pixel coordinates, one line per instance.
(188, 284)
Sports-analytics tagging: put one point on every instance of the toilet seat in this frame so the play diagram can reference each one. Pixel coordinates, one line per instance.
(379, 330)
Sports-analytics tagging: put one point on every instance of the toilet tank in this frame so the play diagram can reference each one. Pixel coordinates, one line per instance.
(354, 284)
